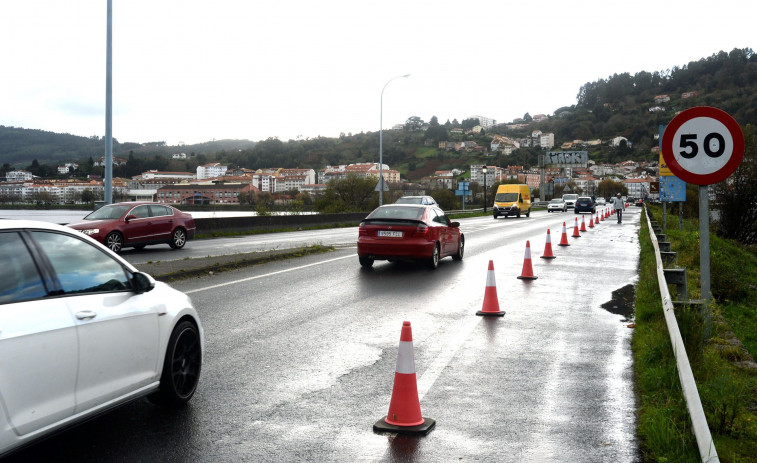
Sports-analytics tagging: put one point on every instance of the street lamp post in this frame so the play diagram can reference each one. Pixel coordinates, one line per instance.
(381, 143)
(484, 170)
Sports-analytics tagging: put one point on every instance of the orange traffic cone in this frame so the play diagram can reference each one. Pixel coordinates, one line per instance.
(575, 230)
(604, 215)
(583, 223)
(528, 272)
(564, 238)
(405, 408)
(491, 303)
(548, 248)
(591, 221)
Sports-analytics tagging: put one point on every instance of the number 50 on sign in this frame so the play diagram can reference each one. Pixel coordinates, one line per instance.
(703, 145)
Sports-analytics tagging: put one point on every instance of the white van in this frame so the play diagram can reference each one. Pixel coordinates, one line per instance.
(570, 200)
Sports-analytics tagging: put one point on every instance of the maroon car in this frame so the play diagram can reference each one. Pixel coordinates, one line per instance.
(409, 232)
(137, 224)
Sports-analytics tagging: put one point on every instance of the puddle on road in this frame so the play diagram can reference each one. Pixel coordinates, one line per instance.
(622, 302)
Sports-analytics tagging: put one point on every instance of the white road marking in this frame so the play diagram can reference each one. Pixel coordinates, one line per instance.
(445, 357)
(220, 285)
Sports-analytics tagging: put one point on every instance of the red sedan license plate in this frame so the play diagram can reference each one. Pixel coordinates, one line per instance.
(393, 234)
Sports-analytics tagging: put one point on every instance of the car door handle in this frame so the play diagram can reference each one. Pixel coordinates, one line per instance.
(86, 315)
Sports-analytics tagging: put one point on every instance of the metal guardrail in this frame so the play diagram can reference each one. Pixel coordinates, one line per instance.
(702, 434)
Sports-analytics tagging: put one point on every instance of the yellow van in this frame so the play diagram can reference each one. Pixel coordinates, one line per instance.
(512, 199)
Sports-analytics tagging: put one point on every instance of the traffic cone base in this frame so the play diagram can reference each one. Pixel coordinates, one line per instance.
(404, 408)
(491, 302)
(423, 429)
(528, 272)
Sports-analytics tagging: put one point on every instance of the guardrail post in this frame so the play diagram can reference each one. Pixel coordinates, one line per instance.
(669, 257)
(677, 276)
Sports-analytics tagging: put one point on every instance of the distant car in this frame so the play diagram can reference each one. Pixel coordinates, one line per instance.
(409, 232)
(428, 200)
(601, 202)
(137, 224)
(83, 332)
(570, 199)
(557, 205)
(584, 204)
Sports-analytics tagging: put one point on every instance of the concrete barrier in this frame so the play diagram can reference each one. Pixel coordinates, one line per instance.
(207, 226)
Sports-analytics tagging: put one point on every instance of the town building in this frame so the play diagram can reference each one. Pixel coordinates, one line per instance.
(18, 176)
(214, 193)
(213, 170)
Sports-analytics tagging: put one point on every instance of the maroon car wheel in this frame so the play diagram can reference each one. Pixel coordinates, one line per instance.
(178, 238)
(114, 241)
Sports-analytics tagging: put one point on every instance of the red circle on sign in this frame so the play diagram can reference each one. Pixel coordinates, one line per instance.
(737, 137)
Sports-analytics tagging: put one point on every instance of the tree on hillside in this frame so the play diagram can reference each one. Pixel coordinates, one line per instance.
(736, 196)
(470, 123)
(435, 131)
(414, 124)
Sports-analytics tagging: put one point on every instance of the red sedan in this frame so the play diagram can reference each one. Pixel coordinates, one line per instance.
(137, 224)
(409, 232)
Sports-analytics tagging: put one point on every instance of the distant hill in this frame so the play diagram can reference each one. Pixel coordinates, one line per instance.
(634, 106)
(19, 147)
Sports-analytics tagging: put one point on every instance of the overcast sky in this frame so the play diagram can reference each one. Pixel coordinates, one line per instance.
(192, 71)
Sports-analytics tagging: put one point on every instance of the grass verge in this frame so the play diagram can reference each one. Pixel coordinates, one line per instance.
(725, 375)
(187, 268)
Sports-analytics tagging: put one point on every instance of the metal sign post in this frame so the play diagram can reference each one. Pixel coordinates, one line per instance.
(462, 190)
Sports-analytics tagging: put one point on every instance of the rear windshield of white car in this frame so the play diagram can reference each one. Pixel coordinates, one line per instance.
(399, 212)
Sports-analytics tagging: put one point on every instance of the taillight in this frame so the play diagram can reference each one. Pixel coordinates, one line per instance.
(422, 230)
(362, 231)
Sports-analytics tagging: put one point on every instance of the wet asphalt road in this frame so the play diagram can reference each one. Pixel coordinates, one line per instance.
(301, 356)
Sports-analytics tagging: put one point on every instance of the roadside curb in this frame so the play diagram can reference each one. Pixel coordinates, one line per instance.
(187, 268)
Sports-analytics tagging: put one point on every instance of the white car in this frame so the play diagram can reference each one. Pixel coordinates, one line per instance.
(82, 331)
(557, 205)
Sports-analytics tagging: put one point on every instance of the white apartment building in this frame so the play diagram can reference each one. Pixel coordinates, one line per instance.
(292, 182)
(65, 168)
(264, 182)
(639, 187)
(18, 176)
(308, 175)
(493, 174)
(62, 192)
(213, 170)
(485, 122)
(547, 140)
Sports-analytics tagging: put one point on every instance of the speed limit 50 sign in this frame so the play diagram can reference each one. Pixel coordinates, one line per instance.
(703, 145)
